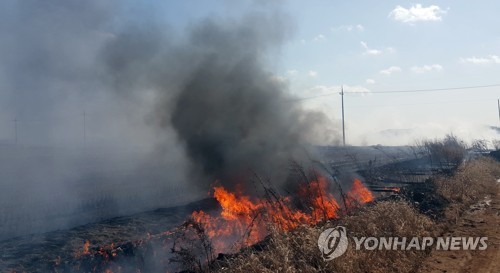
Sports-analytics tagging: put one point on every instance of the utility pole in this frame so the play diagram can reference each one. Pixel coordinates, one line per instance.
(15, 128)
(84, 130)
(343, 122)
(498, 101)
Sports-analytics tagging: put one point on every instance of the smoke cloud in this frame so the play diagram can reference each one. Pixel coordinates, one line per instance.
(167, 107)
(231, 113)
(217, 93)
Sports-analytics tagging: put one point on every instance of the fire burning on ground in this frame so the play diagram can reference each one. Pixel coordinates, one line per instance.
(359, 192)
(244, 221)
(240, 221)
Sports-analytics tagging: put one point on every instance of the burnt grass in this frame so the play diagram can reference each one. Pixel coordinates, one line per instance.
(58, 251)
(495, 155)
(422, 196)
(154, 253)
(424, 209)
(425, 198)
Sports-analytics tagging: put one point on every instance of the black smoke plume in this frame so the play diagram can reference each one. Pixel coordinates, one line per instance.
(231, 113)
(112, 103)
(218, 94)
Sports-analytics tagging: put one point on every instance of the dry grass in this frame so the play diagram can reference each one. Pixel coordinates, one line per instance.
(297, 251)
(471, 182)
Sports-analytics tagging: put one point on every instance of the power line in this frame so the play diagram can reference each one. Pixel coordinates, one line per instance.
(394, 91)
(401, 91)
(420, 103)
(435, 89)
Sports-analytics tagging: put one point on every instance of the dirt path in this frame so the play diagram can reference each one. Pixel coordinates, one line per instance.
(480, 220)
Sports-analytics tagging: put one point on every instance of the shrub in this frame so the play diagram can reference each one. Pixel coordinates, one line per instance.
(447, 154)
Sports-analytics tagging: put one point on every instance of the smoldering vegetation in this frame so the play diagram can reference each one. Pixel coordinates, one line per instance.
(399, 216)
(107, 110)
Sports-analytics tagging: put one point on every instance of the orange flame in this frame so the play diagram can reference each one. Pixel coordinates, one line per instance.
(359, 193)
(245, 217)
(244, 221)
(324, 204)
(234, 207)
(86, 246)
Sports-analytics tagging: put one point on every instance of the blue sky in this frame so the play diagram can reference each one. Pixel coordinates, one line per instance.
(371, 46)
(429, 45)
(366, 46)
